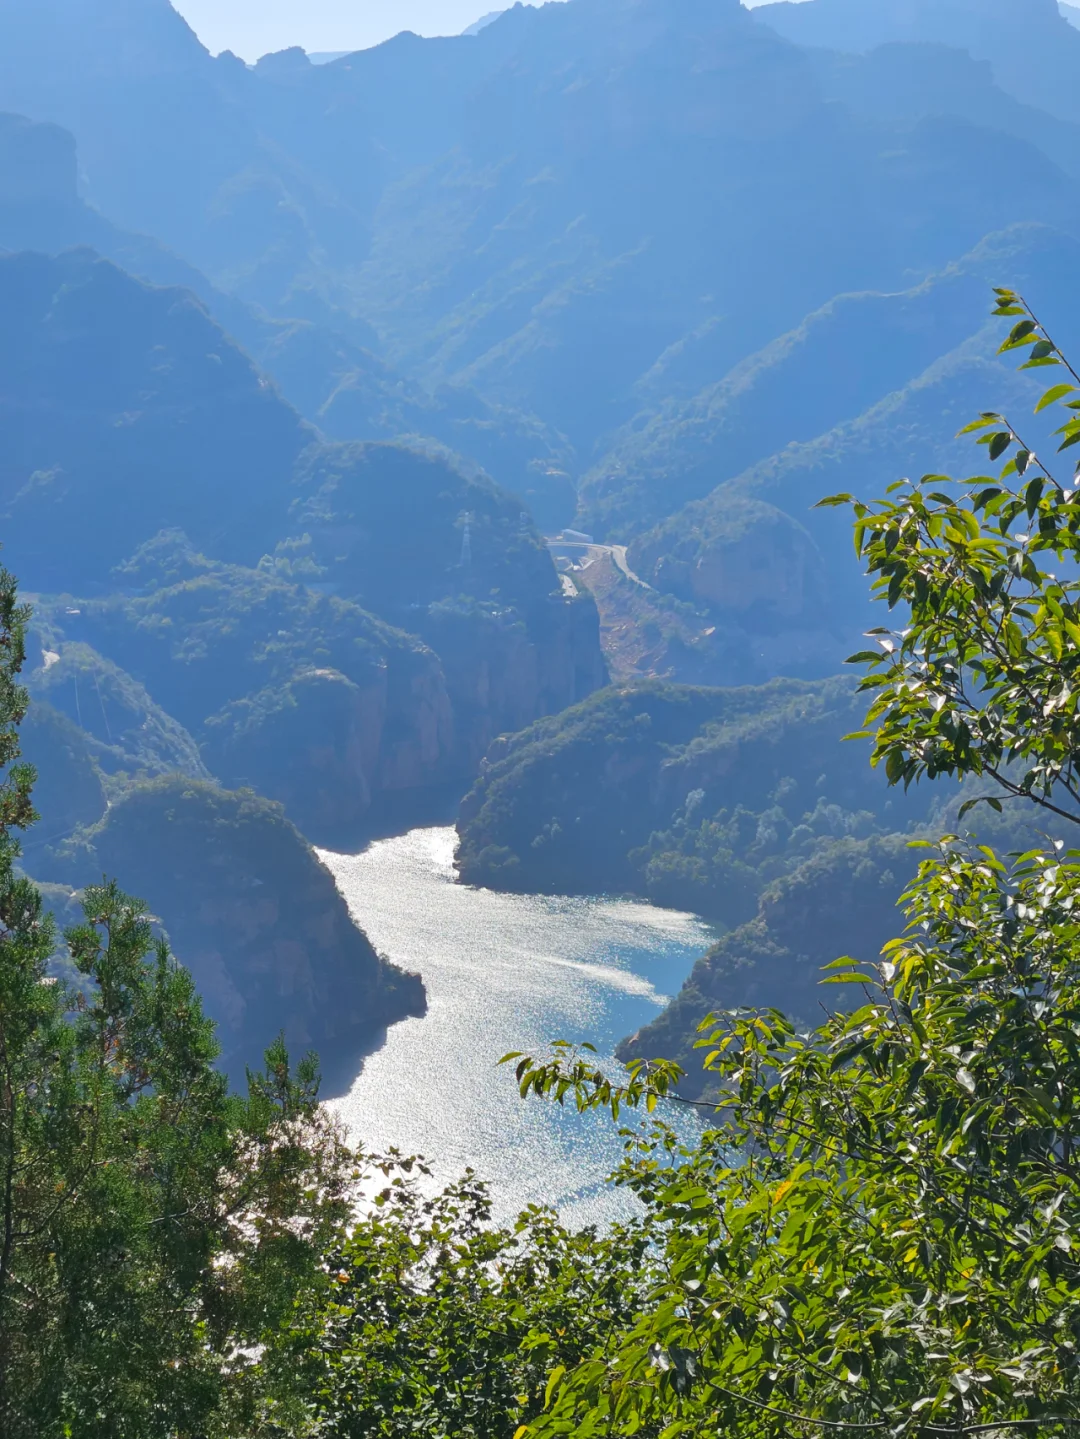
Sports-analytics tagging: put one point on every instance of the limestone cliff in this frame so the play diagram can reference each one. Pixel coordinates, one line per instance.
(758, 574)
(448, 555)
(329, 748)
(255, 916)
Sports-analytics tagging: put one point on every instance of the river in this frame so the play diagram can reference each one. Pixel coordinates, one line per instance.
(503, 972)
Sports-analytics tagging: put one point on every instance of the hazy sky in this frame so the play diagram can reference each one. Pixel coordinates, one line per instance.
(253, 27)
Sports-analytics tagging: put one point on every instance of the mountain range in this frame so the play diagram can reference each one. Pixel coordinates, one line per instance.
(302, 362)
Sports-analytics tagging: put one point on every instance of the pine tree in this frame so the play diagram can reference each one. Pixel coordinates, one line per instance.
(155, 1228)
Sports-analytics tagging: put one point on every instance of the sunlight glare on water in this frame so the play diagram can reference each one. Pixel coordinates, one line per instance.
(503, 972)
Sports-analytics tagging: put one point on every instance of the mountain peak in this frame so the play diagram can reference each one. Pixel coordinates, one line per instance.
(1034, 50)
(109, 37)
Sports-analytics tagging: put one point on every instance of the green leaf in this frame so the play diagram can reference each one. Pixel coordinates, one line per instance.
(554, 1380)
(1018, 333)
(1026, 327)
(1053, 395)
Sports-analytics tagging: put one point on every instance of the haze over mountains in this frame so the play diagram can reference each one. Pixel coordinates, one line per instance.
(301, 361)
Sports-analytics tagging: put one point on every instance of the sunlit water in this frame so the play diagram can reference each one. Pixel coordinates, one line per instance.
(503, 972)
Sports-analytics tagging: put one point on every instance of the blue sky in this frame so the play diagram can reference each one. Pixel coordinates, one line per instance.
(253, 27)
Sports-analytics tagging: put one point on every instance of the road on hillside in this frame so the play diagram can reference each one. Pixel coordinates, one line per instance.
(617, 553)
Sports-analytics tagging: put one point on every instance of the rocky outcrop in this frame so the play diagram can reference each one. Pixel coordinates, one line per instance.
(760, 577)
(327, 748)
(450, 556)
(255, 916)
(736, 557)
(503, 670)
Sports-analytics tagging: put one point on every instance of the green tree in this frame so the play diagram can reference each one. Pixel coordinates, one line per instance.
(154, 1228)
(983, 677)
(443, 1324)
(880, 1230)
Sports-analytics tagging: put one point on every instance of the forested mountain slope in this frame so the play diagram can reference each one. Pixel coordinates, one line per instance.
(257, 917)
(674, 264)
(322, 364)
(533, 223)
(832, 367)
(896, 374)
(694, 797)
(221, 554)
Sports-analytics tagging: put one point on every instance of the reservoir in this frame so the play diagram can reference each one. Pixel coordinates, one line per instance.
(503, 972)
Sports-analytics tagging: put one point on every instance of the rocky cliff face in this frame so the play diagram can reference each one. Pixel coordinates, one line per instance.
(255, 916)
(757, 573)
(328, 749)
(504, 670)
(453, 558)
(737, 557)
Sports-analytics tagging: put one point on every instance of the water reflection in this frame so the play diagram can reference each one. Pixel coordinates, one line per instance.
(503, 972)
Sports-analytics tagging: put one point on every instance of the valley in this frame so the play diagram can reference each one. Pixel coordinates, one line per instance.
(540, 722)
(282, 438)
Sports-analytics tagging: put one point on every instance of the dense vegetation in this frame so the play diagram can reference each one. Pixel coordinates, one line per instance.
(695, 798)
(152, 1225)
(214, 554)
(177, 1259)
(878, 1231)
(686, 267)
(875, 1229)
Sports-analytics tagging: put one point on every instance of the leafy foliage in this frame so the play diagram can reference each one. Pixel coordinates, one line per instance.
(878, 1231)
(440, 1323)
(153, 1227)
(982, 678)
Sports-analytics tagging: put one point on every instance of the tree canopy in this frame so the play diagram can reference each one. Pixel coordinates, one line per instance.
(875, 1231)
(155, 1227)
(878, 1230)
